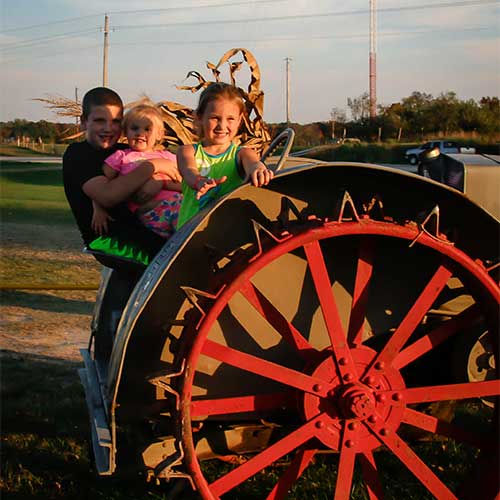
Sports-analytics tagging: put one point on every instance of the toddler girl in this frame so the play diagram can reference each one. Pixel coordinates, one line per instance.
(215, 166)
(143, 127)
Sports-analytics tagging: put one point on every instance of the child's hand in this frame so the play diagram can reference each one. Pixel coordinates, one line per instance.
(260, 174)
(205, 184)
(100, 220)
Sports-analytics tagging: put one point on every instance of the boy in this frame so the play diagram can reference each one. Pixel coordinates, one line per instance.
(102, 111)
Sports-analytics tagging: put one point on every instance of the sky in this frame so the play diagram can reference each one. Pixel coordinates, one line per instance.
(55, 47)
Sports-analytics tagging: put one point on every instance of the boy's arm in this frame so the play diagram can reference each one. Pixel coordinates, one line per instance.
(187, 167)
(109, 172)
(255, 170)
(109, 192)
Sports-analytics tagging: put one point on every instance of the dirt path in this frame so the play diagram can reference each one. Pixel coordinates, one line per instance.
(51, 324)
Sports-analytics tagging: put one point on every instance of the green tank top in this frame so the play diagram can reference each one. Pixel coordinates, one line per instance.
(213, 166)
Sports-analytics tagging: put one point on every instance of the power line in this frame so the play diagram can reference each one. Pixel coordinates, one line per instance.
(360, 36)
(35, 41)
(464, 3)
(146, 11)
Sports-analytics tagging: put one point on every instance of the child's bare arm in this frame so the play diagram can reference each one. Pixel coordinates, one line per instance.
(255, 170)
(100, 219)
(187, 167)
(166, 168)
(109, 192)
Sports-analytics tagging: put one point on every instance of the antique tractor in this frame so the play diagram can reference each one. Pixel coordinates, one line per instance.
(343, 315)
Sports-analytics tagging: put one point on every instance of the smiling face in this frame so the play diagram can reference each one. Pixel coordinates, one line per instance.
(102, 126)
(142, 135)
(220, 122)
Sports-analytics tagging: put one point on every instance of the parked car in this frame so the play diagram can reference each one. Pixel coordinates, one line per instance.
(444, 147)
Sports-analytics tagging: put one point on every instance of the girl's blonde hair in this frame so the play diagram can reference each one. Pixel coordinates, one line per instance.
(145, 112)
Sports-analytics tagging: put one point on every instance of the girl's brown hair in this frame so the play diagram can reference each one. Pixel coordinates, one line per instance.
(219, 90)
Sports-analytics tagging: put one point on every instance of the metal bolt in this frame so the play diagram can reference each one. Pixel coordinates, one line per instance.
(379, 365)
(372, 419)
(352, 425)
(371, 380)
(342, 361)
(319, 424)
(348, 377)
(349, 443)
(384, 431)
(380, 398)
(317, 387)
(331, 393)
(397, 396)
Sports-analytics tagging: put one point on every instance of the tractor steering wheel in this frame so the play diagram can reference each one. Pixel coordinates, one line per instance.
(287, 136)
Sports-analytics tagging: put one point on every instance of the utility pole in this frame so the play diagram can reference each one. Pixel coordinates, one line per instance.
(373, 61)
(287, 60)
(76, 100)
(105, 53)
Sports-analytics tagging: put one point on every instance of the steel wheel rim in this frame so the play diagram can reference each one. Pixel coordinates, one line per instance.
(346, 443)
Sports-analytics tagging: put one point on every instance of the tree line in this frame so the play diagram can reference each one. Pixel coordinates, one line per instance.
(43, 130)
(416, 118)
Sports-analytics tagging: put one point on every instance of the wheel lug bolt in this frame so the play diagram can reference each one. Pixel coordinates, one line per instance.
(349, 443)
(370, 380)
(319, 424)
(347, 377)
(342, 361)
(380, 398)
(379, 365)
(397, 396)
(352, 425)
(317, 387)
(384, 431)
(372, 419)
(331, 393)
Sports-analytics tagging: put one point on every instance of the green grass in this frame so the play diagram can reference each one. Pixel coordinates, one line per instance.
(33, 196)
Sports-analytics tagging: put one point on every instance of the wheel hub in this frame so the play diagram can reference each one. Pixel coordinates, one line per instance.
(353, 402)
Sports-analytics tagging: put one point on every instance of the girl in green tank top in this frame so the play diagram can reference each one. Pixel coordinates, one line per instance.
(215, 166)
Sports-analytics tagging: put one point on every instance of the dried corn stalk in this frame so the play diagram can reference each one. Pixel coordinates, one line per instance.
(179, 119)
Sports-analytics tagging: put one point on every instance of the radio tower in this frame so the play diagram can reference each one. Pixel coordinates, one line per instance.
(373, 61)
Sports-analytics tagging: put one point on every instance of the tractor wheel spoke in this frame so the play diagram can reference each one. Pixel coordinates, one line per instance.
(274, 317)
(416, 466)
(414, 316)
(241, 404)
(300, 462)
(432, 424)
(264, 458)
(360, 295)
(467, 390)
(267, 369)
(463, 321)
(329, 307)
(343, 485)
(370, 476)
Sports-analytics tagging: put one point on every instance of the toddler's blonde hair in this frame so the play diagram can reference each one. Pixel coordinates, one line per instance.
(145, 112)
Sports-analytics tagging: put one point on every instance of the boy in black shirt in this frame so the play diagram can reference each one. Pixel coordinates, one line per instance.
(102, 112)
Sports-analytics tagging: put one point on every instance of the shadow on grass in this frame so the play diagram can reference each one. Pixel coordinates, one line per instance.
(45, 302)
(45, 451)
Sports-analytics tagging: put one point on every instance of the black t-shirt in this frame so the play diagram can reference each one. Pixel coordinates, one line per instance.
(81, 162)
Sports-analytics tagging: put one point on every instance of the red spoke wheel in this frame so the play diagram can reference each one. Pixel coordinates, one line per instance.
(335, 345)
